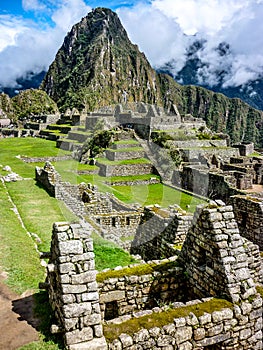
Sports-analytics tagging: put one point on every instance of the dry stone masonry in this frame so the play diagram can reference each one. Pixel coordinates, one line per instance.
(215, 262)
(72, 287)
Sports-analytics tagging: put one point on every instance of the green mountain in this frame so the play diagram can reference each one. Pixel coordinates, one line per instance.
(97, 65)
(27, 103)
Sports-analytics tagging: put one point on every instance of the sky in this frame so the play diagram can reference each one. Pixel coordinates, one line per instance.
(32, 31)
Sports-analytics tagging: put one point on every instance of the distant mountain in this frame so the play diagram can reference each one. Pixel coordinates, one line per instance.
(30, 81)
(97, 65)
(251, 92)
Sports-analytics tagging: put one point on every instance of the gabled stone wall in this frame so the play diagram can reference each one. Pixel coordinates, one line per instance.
(214, 256)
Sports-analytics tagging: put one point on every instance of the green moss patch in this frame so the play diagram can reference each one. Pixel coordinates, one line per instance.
(132, 326)
(138, 270)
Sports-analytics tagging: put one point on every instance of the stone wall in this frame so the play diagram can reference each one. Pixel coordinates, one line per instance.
(128, 294)
(211, 184)
(198, 143)
(47, 177)
(122, 170)
(72, 287)
(160, 232)
(123, 155)
(218, 330)
(214, 255)
(249, 216)
(190, 155)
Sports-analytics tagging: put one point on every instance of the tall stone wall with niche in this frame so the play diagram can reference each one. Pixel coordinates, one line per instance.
(160, 232)
(72, 287)
(249, 216)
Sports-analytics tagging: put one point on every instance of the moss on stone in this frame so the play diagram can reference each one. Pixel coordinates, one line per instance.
(138, 270)
(260, 290)
(161, 319)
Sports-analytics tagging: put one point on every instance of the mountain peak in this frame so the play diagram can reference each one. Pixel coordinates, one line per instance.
(97, 63)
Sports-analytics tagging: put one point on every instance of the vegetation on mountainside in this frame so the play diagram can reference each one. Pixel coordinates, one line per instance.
(33, 102)
(222, 114)
(101, 66)
(6, 106)
(97, 64)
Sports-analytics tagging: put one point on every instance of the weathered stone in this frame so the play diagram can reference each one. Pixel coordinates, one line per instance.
(85, 277)
(183, 334)
(73, 289)
(79, 336)
(70, 247)
(165, 340)
(225, 314)
(185, 346)
(77, 310)
(126, 340)
(141, 336)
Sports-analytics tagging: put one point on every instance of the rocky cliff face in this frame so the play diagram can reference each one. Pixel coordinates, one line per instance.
(97, 65)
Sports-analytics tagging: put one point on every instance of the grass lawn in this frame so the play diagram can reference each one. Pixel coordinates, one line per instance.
(156, 194)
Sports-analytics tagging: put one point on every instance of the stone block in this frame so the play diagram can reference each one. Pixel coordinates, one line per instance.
(141, 336)
(79, 336)
(91, 320)
(66, 268)
(94, 344)
(213, 340)
(185, 346)
(70, 247)
(76, 310)
(73, 289)
(183, 334)
(126, 340)
(111, 296)
(83, 278)
(165, 341)
(219, 316)
(91, 296)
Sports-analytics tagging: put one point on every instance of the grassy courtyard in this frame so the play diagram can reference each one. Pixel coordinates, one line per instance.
(28, 212)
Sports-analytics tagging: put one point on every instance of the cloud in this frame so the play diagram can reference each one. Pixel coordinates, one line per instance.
(158, 36)
(163, 29)
(27, 46)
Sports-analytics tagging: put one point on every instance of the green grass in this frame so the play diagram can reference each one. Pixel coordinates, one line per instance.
(18, 256)
(126, 142)
(128, 149)
(140, 270)
(38, 210)
(108, 255)
(133, 178)
(156, 194)
(123, 162)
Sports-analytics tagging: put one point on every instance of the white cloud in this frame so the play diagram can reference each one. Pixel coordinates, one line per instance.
(161, 28)
(69, 13)
(33, 5)
(25, 46)
(157, 35)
